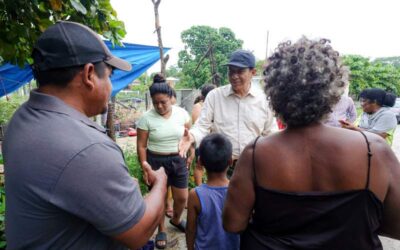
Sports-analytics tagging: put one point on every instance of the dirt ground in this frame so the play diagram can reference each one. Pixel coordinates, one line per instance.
(176, 239)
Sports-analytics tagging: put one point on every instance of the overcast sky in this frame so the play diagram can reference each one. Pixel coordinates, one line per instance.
(368, 28)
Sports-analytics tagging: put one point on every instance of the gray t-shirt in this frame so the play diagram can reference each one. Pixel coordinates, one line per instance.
(381, 121)
(67, 186)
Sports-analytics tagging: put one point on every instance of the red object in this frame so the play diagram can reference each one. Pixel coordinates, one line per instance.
(132, 132)
(280, 124)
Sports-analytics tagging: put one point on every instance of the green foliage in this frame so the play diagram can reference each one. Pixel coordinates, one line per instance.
(142, 88)
(197, 40)
(144, 79)
(174, 71)
(367, 74)
(22, 22)
(394, 60)
(260, 66)
(8, 107)
(135, 170)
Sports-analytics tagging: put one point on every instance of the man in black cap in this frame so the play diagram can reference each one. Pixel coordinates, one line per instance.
(238, 110)
(67, 183)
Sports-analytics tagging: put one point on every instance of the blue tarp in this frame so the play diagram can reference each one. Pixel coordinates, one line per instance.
(141, 57)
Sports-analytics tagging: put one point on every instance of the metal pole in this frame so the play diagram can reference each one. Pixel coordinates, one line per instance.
(266, 54)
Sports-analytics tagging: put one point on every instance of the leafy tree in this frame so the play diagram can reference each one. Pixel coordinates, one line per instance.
(22, 22)
(260, 66)
(174, 71)
(144, 79)
(367, 74)
(196, 60)
(394, 60)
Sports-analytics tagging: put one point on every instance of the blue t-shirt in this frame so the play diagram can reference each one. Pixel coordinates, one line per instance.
(210, 234)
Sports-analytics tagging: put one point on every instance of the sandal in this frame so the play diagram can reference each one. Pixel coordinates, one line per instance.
(161, 237)
(181, 226)
(169, 213)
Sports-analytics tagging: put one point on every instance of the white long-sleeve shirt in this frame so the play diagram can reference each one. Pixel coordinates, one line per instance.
(241, 119)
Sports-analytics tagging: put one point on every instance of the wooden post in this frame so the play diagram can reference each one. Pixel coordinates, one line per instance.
(163, 59)
(110, 119)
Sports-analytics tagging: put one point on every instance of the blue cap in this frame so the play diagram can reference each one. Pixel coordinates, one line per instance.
(242, 59)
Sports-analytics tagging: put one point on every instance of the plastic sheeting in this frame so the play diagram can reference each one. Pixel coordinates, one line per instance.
(141, 57)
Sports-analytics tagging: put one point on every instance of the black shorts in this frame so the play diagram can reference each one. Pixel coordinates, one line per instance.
(175, 168)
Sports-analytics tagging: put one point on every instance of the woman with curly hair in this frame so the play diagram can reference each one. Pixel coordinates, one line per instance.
(311, 186)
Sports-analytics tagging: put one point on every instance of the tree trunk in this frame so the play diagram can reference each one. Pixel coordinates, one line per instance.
(215, 76)
(110, 119)
(163, 59)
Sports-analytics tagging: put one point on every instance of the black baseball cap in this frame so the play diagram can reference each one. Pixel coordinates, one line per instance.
(67, 44)
(242, 59)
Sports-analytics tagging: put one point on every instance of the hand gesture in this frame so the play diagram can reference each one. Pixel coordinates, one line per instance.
(191, 156)
(346, 124)
(152, 177)
(185, 143)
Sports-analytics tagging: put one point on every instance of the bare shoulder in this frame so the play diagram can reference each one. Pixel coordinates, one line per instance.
(193, 194)
(271, 140)
(193, 201)
(378, 144)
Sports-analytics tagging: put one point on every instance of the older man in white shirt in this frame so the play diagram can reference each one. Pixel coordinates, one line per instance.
(239, 110)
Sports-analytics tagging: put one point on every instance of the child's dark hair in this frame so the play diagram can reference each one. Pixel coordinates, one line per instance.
(160, 86)
(215, 152)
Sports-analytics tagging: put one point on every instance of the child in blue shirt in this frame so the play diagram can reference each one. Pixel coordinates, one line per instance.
(204, 220)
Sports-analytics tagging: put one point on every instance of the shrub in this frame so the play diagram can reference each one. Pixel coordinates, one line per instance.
(135, 170)
(8, 107)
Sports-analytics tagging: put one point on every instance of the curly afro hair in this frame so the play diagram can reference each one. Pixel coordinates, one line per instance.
(304, 80)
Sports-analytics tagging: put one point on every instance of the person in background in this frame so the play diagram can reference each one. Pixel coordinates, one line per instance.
(344, 110)
(204, 228)
(198, 169)
(312, 186)
(173, 99)
(238, 110)
(199, 102)
(159, 131)
(72, 189)
(377, 117)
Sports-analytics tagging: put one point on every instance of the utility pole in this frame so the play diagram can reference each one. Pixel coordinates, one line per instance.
(266, 54)
(215, 77)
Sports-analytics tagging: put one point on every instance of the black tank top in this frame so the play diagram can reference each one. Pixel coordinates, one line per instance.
(314, 220)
